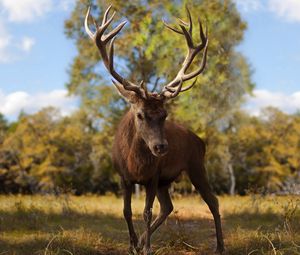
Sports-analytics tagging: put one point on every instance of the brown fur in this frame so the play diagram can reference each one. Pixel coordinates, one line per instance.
(136, 163)
(130, 153)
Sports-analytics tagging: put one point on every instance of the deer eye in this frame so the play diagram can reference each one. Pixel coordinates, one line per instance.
(140, 116)
(163, 118)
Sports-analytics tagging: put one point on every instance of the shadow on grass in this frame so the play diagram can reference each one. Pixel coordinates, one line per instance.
(30, 231)
(34, 220)
(40, 246)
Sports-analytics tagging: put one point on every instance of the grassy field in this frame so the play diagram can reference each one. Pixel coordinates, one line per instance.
(90, 225)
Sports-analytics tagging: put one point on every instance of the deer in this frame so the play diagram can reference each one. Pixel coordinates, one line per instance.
(149, 149)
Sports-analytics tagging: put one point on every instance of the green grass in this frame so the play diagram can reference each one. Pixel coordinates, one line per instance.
(90, 225)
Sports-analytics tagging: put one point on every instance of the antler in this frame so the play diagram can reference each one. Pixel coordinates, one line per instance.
(173, 88)
(101, 41)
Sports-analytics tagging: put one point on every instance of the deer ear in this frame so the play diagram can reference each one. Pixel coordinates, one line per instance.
(129, 96)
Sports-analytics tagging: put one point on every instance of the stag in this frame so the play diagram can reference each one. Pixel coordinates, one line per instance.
(148, 149)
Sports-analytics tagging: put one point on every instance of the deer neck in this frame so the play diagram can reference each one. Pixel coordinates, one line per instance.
(137, 145)
(140, 160)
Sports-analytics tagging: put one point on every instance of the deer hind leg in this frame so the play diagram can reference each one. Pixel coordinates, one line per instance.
(128, 215)
(199, 180)
(166, 207)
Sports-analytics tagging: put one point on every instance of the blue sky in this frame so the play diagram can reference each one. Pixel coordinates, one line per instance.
(35, 54)
(272, 46)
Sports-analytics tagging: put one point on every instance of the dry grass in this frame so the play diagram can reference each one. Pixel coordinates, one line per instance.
(90, 225)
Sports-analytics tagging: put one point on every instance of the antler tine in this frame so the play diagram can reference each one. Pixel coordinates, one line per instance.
(190, 20)
(144, 87)
(175, 86)
(87, 29)
(190, 86)
(106, 24)
(201, 67)
(203, 36)
(114, 32)
(106, 15)
(101, 41)
(188, 37)
(171, 28)
(183, 22)
(136, 89)
(172, 92)
(111, 55)
(170, 89)
(95, 23)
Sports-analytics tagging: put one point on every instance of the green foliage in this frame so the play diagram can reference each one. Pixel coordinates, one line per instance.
(265, 150)
(48, 152)
(147, 51)
(3, 127)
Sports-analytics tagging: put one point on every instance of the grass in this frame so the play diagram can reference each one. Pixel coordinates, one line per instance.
(89, 225)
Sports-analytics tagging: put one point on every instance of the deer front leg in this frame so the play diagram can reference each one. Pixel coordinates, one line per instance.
(151, 188)
(166, 207)
(128, 215)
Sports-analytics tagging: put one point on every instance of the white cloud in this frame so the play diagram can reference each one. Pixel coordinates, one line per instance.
(12, 104)
(288, 9)
(5, 40)
(25, 10)
(248, 5)
(10, 47)
(288, 103)
(66, 5)
(27, 43)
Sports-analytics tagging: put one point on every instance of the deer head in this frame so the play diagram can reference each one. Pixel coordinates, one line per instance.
(148, 108)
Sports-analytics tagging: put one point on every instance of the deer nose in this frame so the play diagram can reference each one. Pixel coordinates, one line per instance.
(161, 148)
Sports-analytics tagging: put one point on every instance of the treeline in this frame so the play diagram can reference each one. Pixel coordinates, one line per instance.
(45, 152)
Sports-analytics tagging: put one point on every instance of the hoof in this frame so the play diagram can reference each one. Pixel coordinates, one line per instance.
(147, 251)
(141, 242)
(132, 251)
(133, 248)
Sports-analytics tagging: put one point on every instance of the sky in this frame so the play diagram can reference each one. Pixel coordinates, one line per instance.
(35, 55)
(272, 47)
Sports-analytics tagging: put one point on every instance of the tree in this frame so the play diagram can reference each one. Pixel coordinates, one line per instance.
(48, 153)
(3, 127)
(146, 51)
(265, 150)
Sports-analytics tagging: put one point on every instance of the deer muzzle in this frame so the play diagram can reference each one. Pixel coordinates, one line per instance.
(160, 149)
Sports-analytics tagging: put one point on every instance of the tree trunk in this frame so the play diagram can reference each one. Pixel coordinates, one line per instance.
(137, 191)
(232, 180)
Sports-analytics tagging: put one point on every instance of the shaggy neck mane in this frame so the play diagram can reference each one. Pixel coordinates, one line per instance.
(137, 153)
